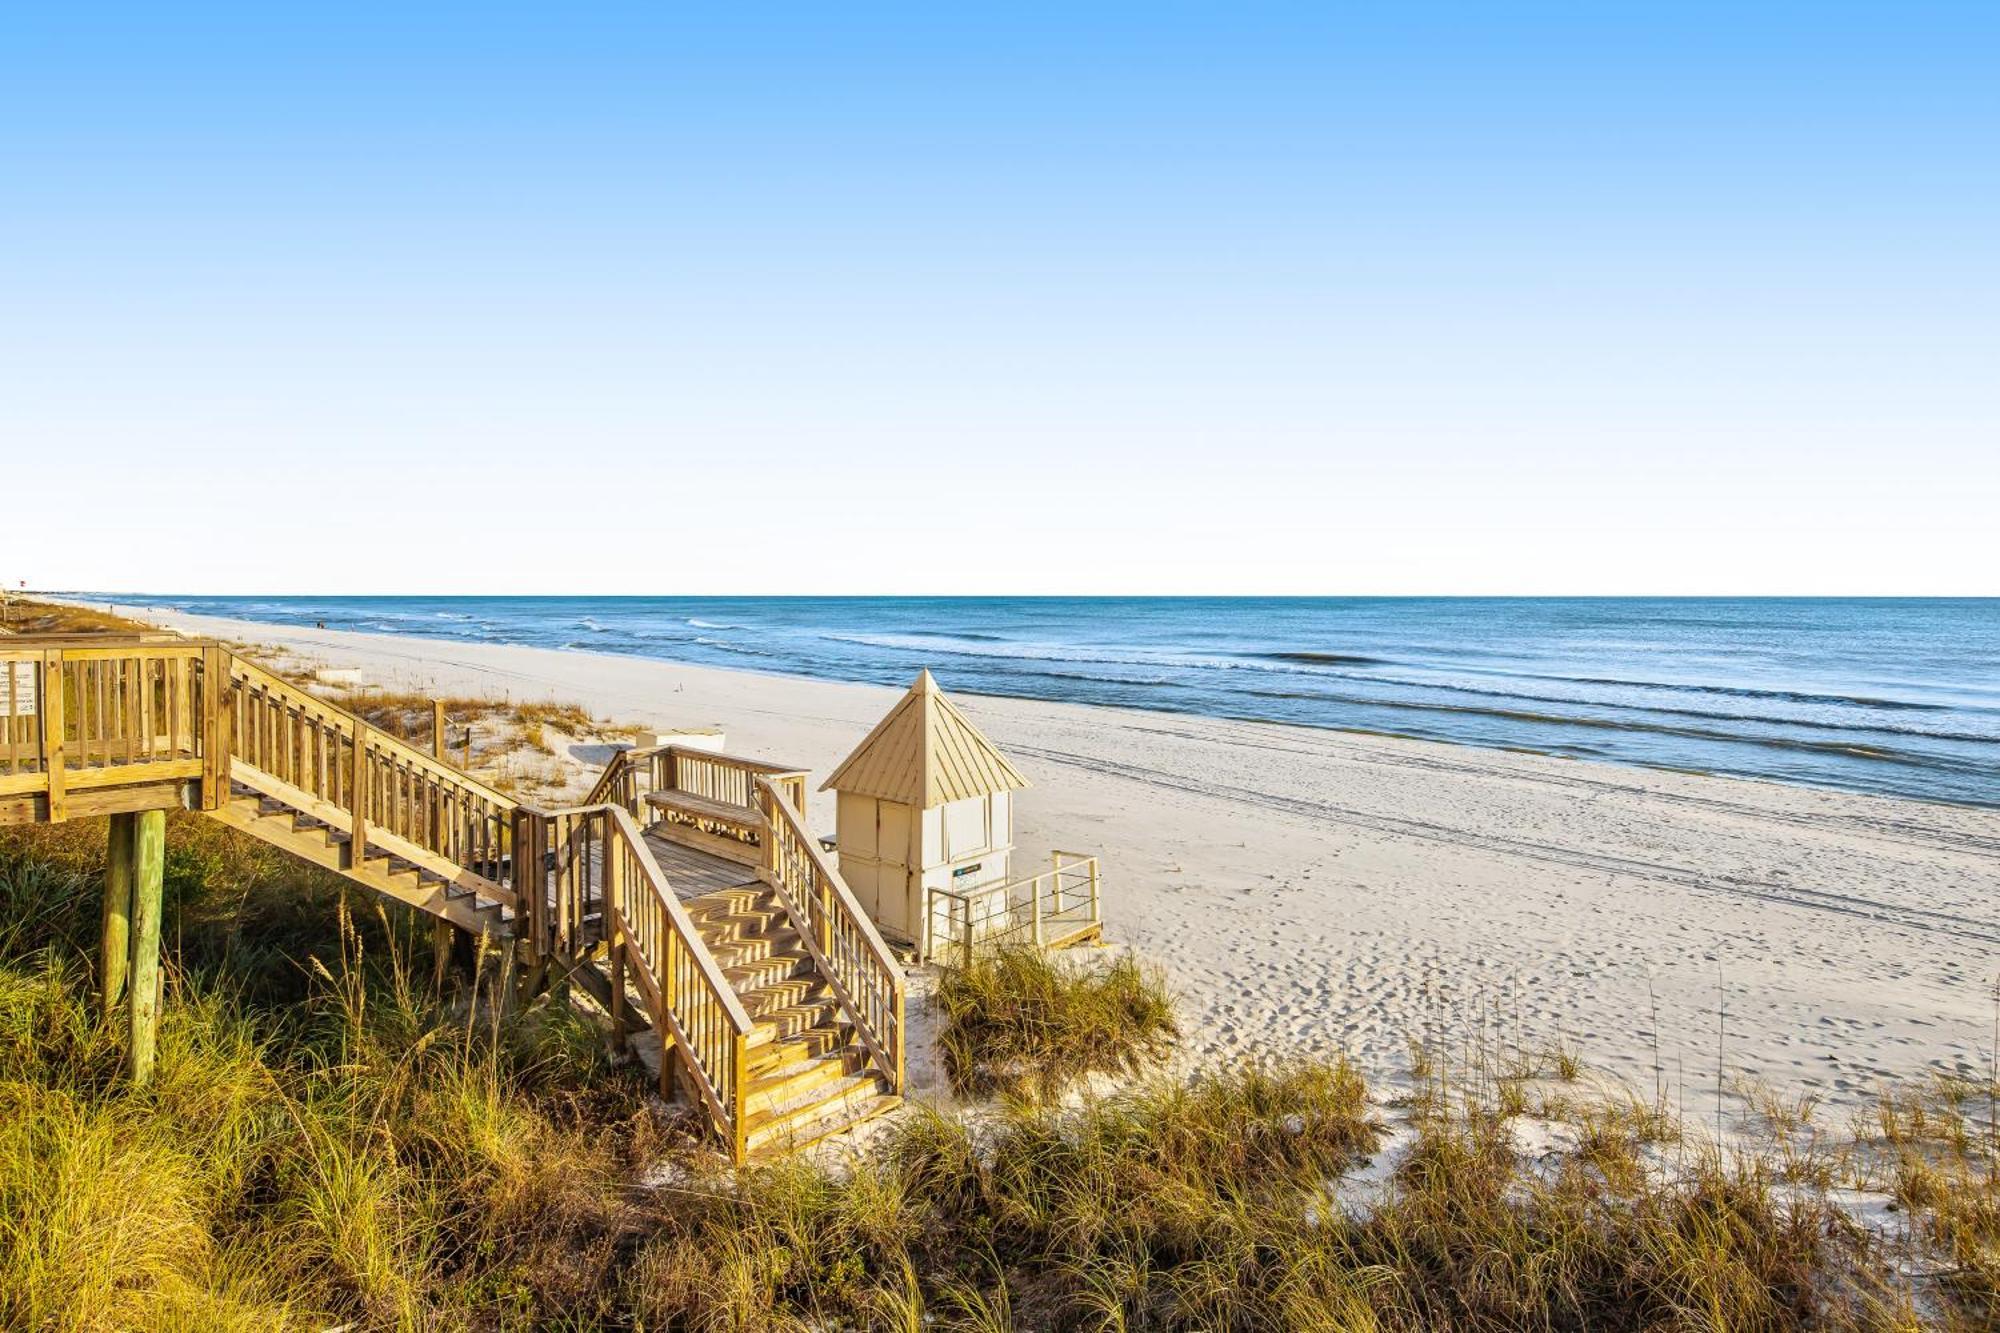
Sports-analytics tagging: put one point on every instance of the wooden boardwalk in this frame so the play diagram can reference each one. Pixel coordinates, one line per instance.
(686, 892)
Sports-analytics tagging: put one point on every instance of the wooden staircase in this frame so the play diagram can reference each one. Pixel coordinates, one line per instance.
(425, 883)
(809, 1077)
(776, 1004)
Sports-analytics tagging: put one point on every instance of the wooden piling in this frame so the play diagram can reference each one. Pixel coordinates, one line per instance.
(444, 937)
(115, 943)
(149, 847)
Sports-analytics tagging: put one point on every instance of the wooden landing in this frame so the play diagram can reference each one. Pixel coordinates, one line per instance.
(695, 873)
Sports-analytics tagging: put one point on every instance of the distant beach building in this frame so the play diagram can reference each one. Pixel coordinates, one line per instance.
(925, 834)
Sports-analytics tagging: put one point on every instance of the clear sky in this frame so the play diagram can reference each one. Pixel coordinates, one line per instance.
(1342, 298)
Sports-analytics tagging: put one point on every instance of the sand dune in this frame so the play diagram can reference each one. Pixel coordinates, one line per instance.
(1312, 890)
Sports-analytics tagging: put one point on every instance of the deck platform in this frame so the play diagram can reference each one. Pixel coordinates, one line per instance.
(694, 873)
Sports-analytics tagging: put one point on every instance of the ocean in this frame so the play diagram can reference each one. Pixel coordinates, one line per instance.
(1894, 696)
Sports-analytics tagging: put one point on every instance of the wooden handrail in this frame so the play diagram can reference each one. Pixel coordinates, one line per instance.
(688, 997)
(656, 880)
(383, 792)
(242, 669)
(602, 791)
(842, 939)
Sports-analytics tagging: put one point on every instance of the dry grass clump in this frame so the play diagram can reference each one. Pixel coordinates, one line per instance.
(1024, 1021)
(326, 1140)
(506, 742)
(1219, 1204)
(233, 904)
(1938, 1145)
(406, 714)
(573, 719)
(1171, 1205)
(1473, 1237)
(375, 1158)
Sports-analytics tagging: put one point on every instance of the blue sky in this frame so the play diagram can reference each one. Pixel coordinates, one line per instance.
(1080, 298)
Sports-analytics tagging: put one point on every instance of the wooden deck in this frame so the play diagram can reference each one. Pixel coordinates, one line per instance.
(694, 873)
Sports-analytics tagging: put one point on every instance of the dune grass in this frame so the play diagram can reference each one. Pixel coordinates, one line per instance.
(1218, 1204)
(1026, 1022)
(330, 1141)
(326, 1140)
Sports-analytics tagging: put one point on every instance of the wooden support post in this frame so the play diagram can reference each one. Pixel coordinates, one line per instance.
(610, 913)
(148, 871)
(115, 945)
(437, 728)
(1096, 908)
(739, 1113)
(528, 878)
(357, 792)
(1035, 906)
(618, 995)
(444, 936)
(215, 728)
(535, 980)
(52, 731)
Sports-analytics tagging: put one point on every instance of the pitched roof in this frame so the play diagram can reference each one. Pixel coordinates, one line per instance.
(925, 754)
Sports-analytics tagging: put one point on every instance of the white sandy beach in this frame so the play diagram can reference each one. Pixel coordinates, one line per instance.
(1317, 891)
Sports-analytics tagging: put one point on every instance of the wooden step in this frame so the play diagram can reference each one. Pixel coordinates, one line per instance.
(721, 931)
(737, 898)
(797, 1047)
(765, 971)
(742, 953)
(790, 1083)
(824, 1110)
(807, 989)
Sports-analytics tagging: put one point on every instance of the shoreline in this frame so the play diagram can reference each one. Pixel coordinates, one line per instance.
(1310, 889)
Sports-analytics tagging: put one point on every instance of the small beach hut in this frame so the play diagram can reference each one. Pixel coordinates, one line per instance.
(923, 803)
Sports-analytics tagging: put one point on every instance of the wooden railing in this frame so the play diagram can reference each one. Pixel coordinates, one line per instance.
(1058, 906)
(727, 779)
(331, 764)
(706, 800)
(858, 967)
(620, 782)
(108, 712)
(601, 867)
